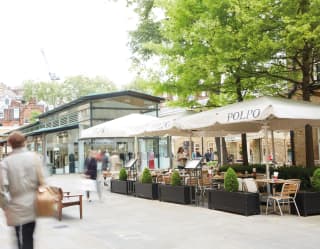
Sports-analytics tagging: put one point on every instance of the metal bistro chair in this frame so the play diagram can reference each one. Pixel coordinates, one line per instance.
(205, 184)
(287, 196)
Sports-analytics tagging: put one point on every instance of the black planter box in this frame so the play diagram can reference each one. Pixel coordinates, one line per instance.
(120, 187)
(244, 203)
(176, 194)
(308, 203)
(146, 190)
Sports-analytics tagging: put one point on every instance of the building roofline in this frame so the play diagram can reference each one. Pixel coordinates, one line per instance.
(103, 95)
(52, 129)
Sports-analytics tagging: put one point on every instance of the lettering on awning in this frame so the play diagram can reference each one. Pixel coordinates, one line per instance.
(244, 115)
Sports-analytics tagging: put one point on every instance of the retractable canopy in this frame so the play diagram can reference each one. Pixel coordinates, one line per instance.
(125, 126)
(251, 115)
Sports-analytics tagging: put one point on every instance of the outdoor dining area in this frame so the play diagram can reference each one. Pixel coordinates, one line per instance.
(247, 191)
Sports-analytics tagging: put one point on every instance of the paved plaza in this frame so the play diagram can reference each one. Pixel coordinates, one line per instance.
(122, 222)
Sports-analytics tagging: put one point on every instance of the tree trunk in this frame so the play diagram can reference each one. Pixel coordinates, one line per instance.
(306, 79)
(243, 135)
(293, 151)
(224, 150)
(244, 149)
(309, 147)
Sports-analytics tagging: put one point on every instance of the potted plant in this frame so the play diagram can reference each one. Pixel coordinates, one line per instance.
(145, 188)
(232, 200)
(120, 185)
(308, 202)
(175, 192)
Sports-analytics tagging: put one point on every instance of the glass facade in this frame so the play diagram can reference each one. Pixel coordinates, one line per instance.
(56, 135)
(62, 151)
(154, 153)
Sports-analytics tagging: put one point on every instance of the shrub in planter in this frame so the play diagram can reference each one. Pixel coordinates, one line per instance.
(230, 181)
(231, 200)
(145, 188)
(315, 180)
(175, 179)
(175, 192)
(308, 201)
(146, 176)
(123, 174)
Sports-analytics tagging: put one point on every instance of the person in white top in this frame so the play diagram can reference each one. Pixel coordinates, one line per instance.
(181, 158)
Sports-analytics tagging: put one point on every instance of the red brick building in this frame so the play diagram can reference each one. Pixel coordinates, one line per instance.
(13, 110)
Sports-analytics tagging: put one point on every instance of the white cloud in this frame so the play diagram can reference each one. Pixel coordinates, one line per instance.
(78, 36)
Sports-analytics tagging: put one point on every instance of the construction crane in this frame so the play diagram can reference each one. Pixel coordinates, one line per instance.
(52, 76)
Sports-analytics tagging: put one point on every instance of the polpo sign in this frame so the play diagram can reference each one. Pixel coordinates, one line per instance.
(244, 115)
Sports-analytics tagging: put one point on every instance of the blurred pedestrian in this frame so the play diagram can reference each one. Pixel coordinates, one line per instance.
(196, 154)
(115, 161)
(105, 160)
(207, 155)
(91, 173)
(20, 173)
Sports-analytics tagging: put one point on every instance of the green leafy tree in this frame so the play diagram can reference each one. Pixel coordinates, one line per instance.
(142, 85)
(258, 48)
(49, 92)
(197, 51)
(34, 116)
(147, 32)
(286, 36)
(56, 93)
(77, 86)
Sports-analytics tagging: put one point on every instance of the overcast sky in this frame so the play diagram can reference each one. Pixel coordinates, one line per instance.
(86, 37)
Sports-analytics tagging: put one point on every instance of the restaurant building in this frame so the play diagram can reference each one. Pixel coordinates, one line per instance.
(56, 134)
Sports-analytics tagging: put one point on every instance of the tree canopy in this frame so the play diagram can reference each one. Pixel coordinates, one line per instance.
(55, 93)
(232, 49)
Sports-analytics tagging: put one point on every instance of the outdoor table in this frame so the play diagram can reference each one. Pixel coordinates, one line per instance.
(244, 175)
(272, 182)
(218, 177)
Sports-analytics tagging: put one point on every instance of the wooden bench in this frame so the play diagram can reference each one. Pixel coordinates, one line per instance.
(66, 200)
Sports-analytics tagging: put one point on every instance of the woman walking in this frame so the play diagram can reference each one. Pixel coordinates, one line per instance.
(19, 175)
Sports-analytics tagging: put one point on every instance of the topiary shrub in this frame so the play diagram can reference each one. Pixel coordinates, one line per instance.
(230, 181)
(146, 176)
(123, 174)
(175, 179)
(315, 180)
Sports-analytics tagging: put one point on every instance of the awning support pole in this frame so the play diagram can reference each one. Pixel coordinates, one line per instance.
(265, 128)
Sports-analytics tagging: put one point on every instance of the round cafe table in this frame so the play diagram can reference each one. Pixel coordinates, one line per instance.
(273, 183)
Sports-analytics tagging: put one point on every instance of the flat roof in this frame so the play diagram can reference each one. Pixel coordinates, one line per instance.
(103, 96)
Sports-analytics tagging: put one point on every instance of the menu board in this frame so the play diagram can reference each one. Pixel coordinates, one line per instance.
(192, 164)
(130, 163)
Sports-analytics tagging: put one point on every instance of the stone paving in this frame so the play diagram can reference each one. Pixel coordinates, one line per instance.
(122, 222)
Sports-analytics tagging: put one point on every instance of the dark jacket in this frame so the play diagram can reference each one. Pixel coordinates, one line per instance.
(91, 165)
